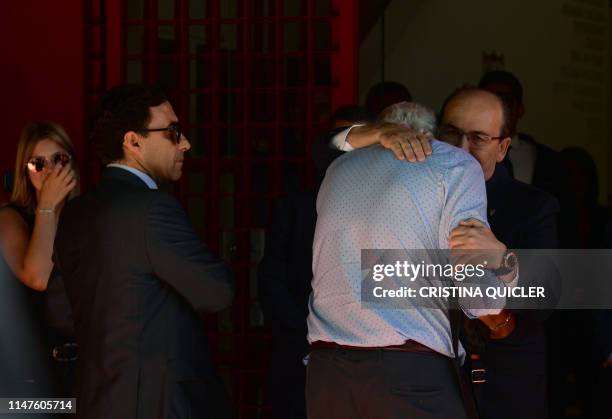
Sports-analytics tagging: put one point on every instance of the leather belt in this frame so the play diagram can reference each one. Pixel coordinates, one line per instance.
(408, 346)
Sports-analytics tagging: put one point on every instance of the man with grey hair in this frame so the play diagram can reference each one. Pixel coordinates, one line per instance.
(372, 362)
(413, 115)
(392, 127)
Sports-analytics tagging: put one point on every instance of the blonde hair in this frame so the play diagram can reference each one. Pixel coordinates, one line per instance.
(24, 194)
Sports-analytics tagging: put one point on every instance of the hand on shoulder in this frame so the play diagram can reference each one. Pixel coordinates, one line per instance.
(403, 142)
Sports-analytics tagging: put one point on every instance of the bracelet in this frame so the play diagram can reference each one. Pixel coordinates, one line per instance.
(45, 210)
(502, 324)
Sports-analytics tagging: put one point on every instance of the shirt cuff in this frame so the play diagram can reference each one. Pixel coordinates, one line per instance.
(339, 141)
(474, 313)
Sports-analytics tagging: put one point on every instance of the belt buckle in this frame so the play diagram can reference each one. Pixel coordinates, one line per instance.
(65, 352)
(478, 376)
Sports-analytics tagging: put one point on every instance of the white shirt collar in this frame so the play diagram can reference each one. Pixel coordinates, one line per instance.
(148, 180)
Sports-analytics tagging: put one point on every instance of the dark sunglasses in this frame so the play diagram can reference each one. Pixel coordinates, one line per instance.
(37, 164)
(174, 129)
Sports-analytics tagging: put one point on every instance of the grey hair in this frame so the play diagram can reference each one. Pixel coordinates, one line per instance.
(411, 114)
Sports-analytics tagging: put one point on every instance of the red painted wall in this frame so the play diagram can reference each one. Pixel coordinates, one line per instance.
(41, 70)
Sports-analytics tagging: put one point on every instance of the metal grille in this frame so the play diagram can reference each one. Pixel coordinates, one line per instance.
(253, 83)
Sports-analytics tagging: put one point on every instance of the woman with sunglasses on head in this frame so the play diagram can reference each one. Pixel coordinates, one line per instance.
(45, 177)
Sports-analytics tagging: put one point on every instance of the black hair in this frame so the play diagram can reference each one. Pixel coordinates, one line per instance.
(506, 78)
(353, 113)
(384, 94)
(586, 163)
(123, 108)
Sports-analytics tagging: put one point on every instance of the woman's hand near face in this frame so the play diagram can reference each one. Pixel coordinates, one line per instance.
(56, 186)
(30, 255)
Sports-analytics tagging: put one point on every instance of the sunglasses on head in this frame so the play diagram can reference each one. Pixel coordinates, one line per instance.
(37, 164)
(174, 129)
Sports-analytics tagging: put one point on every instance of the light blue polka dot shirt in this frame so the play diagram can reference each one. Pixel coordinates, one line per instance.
(370, 200)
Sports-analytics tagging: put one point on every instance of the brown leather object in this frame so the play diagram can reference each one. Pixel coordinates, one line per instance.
(501, 325)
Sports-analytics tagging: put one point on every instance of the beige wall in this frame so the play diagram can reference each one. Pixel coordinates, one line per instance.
(558, 48)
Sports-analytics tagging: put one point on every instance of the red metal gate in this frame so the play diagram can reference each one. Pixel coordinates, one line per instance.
(254, 83)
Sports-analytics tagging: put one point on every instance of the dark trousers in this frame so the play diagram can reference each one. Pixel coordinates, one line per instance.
(381, 384)
(512, 395)
(198, 400)
(287, 381)
(601, 406)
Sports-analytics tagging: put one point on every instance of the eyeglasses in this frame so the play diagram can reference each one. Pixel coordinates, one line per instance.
(454, 136)
(174, 129)
(37, 164)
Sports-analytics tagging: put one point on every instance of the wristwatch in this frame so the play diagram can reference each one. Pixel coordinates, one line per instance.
(508, 263)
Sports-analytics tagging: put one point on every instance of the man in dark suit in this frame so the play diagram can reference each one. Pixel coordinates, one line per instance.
(137, 275)
(521, 217)
(511, 345)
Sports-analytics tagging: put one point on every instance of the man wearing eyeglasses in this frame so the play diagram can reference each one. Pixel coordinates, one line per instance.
(510, 347)
(137, 275)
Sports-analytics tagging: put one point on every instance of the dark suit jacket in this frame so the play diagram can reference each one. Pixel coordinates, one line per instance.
(136, 275)
(602, 325)
(285, 273)
(549, 172)
(521, 217)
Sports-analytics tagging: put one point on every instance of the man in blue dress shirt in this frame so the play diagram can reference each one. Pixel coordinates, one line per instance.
(387, 363)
